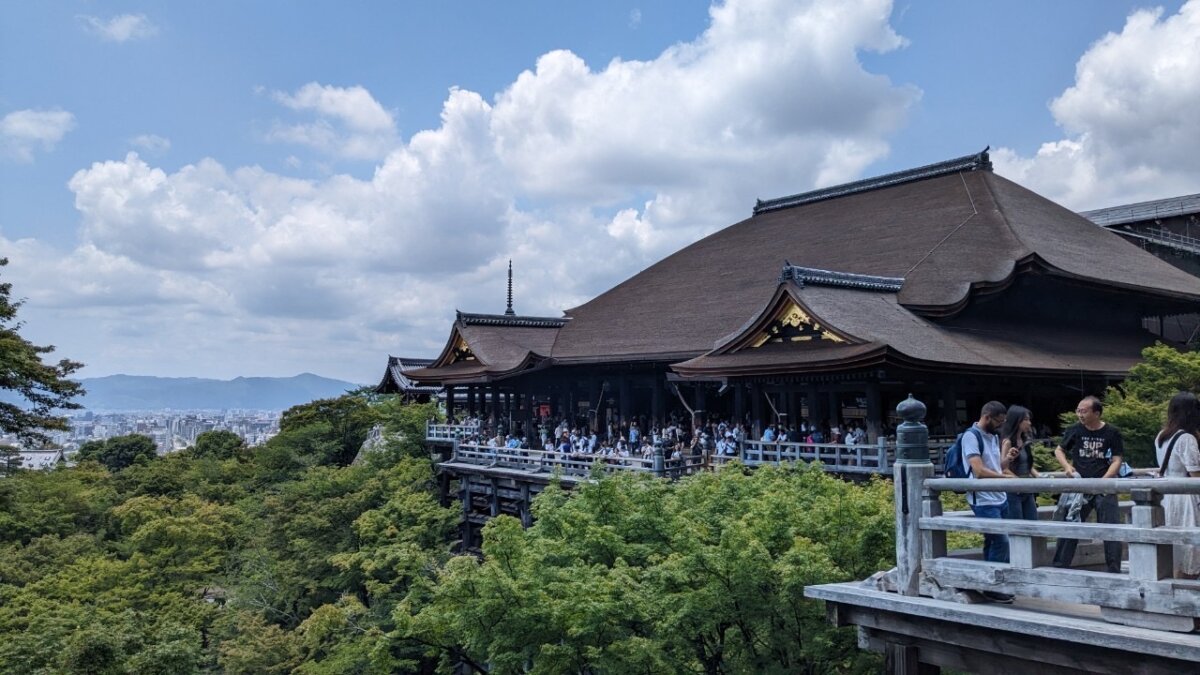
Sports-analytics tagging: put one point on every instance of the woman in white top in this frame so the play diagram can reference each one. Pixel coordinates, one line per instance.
(1178, 439)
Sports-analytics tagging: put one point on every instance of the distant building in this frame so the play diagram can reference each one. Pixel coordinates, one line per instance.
(1170, 229)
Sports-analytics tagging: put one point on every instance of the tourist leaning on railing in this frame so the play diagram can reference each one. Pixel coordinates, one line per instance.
(1179, 457)
(1017, 445)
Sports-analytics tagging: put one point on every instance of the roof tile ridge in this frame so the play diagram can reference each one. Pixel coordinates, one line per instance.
(979, 161)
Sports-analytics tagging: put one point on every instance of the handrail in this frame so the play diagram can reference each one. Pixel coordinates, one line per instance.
(1092, 486)
(449, 432)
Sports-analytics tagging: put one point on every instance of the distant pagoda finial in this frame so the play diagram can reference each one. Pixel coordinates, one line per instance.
(508, 311)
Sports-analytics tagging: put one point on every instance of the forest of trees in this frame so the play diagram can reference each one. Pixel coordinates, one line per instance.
(293, 557)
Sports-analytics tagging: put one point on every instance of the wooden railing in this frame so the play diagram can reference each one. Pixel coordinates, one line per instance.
(445, 433)
(571, 464)
(1147, 595)
(834, 458)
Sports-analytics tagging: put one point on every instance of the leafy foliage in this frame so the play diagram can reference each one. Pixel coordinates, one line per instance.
(279, 559)
(45, 388)
(220, 444)
(119, 452)
(636, 575)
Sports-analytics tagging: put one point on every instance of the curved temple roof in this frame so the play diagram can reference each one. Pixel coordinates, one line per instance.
(946, 231)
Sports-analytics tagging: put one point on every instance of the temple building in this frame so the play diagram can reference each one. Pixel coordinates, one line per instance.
(947, 281)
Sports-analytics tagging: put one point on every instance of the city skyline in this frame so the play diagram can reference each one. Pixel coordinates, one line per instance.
(236, 190)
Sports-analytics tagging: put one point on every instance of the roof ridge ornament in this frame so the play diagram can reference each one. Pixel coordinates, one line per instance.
(819, 277)
(509, 310)
(979, 161)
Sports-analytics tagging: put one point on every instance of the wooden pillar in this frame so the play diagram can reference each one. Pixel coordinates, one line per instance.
(465, 492)
(656, 403)
(471, 400)
(625, 394)
(494, 411)
(909, 474)
(874, 412)
(756, 410)
(739, 402)
(701, 398)
(449, 403)
(835, 408)
(949, 410)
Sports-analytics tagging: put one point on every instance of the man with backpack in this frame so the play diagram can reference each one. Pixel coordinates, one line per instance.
(980, 447)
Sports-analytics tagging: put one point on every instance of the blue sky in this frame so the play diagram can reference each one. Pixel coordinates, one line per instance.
(264, 188)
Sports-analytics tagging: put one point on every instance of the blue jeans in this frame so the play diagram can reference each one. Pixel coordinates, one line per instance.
(1022, 506)
(995, 546)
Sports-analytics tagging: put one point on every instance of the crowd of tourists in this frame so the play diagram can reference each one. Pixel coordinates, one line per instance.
(1000, 445)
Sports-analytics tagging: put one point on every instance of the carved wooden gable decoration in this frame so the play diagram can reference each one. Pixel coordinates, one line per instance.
(793, 324)
(461, 351)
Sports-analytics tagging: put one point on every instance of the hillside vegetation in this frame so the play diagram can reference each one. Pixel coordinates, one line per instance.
(293, 558)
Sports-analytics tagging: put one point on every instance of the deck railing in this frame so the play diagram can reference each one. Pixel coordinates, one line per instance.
(570, 464)
(833, 457)
(446, 433)
(1146, 595)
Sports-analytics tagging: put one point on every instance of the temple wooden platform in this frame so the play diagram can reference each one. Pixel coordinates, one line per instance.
(1029, 636)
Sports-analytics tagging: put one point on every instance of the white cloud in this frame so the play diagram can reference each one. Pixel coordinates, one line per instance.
(122, 28)
(151, 143)
(581, 175)
(24, 131)
(1131, 122)
(635, 18)
(350, 124)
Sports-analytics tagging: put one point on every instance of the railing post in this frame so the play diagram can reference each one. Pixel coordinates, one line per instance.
(1149, 561)
(660, 462)
(911, 470)
(882, 450)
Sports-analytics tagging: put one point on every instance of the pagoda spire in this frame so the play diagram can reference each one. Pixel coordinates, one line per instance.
(508, 311)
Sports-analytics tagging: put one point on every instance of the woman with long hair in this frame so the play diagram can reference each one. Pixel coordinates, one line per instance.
(1016, 443)
(1178, 455)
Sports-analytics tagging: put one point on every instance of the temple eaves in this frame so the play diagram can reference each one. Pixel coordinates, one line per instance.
(818, 277)
(976, 162)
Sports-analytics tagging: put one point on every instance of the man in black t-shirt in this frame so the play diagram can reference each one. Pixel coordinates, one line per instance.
(1092, 449)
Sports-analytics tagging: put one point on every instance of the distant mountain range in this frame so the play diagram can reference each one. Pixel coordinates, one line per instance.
(136, 392)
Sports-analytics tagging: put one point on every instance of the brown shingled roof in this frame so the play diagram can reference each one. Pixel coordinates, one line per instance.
(501, 346)
(945, 234)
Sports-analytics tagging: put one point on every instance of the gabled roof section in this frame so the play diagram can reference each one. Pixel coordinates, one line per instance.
(395, 381)
(484, 347)
(889, 333)
(977, 162)
(787, 320)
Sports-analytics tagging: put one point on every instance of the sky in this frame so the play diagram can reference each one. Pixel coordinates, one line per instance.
(267, 188)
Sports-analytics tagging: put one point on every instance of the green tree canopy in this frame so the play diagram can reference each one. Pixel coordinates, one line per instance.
(43, 388)
(632, 574)
(327, 431)
(220, 444)
(120, 452)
